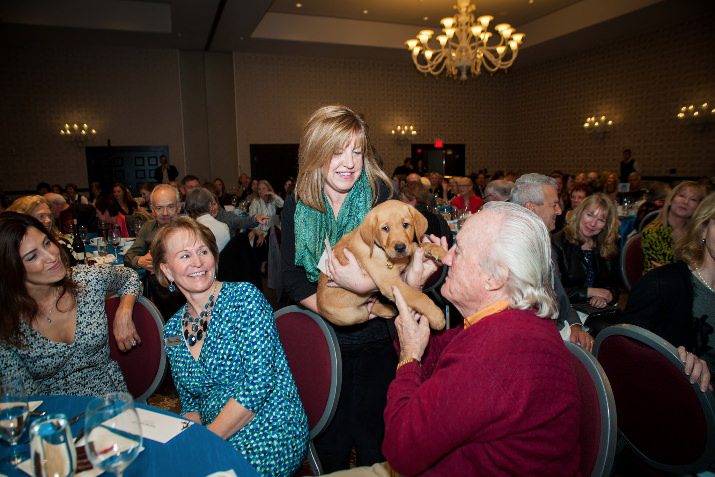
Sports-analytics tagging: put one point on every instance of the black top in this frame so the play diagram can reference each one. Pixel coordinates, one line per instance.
(437, 225)
(299, 288)
(574, 270)
(173, 173)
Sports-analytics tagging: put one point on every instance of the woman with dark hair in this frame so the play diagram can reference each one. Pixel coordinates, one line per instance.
(578, 193)
(228, 366)
(121, 194)
(224, 197)
(95, 190)
(108, 211)
(585, 252)
(53, 330)
(73, 196)
(288, 187)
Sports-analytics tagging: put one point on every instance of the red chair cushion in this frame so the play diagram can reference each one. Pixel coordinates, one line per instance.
(634, 261)
(590, 417)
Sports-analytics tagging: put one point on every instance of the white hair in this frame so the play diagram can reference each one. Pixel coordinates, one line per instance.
(520, 252)
(530, 188)
(54, 198)
(166, 187)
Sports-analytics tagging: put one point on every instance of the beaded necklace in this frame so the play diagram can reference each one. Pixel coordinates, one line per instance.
(195, 328)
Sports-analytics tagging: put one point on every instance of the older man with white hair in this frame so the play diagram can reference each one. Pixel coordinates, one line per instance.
(537, 193)
(497, 395)
(62, 212)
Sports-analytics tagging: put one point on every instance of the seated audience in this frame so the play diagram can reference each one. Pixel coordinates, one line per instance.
(610, 185)
(244, 186)
(224, 197)
(467, 199)
(288, 187)
(145, 189)
(239, 386)
(677, 301)
(418, 196)
(658, 237)
(586, 252)
(95, 190)
(267, 203)
(435, 188)
(188, 183)
(73, 196)
(54, 327)
(236, 223)
(43, 188)
(507, 360)
(498, 190)
(108, 211)
(253, 193)
(62, 212)
(578, 194)
(127, 204)
(57, 189)
(654, 200)
(198, 206)
(39, 208)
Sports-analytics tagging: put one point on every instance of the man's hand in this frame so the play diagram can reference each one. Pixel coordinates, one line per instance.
(263, 219)
(696, 368)
(146, 263)
(412, 329)
(581, 337)
(419, 271)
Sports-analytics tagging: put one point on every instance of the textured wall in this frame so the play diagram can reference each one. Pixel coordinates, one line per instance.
(130, 96)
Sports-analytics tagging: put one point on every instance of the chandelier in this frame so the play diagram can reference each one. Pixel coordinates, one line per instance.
(402, 132)
(77, 133)
(465, 46)
(600, 125)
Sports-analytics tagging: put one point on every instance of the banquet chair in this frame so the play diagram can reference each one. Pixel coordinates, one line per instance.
(665, 421)
(143, 367)
(599, 431)
(631, 261)
(649, 217)
(313, 354)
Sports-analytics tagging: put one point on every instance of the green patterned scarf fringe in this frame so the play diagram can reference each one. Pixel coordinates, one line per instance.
(312, 226)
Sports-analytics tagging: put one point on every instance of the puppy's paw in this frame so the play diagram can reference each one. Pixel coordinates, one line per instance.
(384, 310)
(433, 251)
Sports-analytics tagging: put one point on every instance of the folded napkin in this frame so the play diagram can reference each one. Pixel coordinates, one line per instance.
(106, 260)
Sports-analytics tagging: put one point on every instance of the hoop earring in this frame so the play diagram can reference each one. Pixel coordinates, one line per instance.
(172, 288)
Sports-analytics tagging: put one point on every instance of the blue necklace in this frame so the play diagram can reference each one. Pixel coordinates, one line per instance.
(195, 328)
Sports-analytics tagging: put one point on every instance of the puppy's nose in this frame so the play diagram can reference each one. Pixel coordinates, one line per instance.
(400, 247)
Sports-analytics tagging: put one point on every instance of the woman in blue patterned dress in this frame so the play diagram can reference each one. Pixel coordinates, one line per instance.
(226, 358)
(53, 329)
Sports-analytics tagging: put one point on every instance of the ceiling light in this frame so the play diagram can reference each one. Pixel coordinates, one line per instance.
(466, 46)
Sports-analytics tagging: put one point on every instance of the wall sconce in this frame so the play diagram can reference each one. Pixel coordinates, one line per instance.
(402, 132)
(76, 133)
(700, 116)
(600, 125)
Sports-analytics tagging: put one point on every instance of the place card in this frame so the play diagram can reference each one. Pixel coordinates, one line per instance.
(158, 427)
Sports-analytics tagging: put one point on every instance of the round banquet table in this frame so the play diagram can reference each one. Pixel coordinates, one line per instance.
(195, 451)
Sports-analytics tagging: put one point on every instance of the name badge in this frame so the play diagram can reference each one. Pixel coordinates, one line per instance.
(173, 341)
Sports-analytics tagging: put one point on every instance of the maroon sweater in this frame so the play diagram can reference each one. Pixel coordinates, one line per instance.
(499, 397)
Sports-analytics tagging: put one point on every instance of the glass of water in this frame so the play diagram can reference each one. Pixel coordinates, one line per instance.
(52, 447)
(113, 432)
(14, 413)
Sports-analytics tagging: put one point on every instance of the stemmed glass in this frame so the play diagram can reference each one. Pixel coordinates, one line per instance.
(82, 229)
(102, 226)
(14, 413)
(113, 430)
(53, 451)
(114, 237)
(137, 226)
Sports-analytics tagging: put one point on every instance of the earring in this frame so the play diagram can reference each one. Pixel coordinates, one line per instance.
(172, 288)
(703, 241)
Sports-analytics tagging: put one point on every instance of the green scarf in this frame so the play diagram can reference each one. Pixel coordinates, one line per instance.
(312, 226)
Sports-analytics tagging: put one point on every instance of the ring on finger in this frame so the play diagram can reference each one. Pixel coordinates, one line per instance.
(134, 343)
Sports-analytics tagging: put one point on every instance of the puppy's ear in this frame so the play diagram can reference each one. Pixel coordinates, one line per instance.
(368, 230)
(420, 223)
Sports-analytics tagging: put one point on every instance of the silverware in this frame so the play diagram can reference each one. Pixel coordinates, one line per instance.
(76, 418)
(79, 436)
(37, 413)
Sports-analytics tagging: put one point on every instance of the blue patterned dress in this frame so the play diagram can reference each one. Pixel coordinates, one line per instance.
(242, 358)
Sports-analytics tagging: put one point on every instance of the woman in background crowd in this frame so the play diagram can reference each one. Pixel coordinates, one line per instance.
(121, 194)
(224, 197)
(198, 205)
(586, 252)
(95, 190)
(108, 211)
(466, 199)
(658, 237)
(73, 196)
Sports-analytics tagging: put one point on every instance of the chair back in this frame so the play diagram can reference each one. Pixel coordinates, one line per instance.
(665, 420)
(599, 430)
(313, 354)
(631, 261)
(143, 367)
(649, 217)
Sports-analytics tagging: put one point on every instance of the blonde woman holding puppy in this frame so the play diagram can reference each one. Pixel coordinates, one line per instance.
(338, 183)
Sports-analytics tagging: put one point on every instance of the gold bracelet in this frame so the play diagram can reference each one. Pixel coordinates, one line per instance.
(409, 360)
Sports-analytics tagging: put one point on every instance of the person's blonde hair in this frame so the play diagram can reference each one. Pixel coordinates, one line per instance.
(691, 248)
(159, 247)
(662, 218)
(267, 184)
(606, 242)
(329, 129)
(27, 205)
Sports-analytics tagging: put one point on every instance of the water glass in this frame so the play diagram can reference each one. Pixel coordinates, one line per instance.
(14, 413)
(113, 432)
(52, 447)
(101, 247)
(82, 229)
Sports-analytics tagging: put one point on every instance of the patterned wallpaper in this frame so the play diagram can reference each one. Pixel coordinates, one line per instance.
(529, 119)
(130, 96)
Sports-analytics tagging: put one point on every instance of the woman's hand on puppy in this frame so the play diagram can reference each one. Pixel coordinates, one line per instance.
(349, 276)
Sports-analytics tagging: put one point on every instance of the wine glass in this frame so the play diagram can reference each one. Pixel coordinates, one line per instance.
(114, 237)
(13, 413)
(82, 229)
(234, 201)
(137, 226)
(113, 432)
(52, 447)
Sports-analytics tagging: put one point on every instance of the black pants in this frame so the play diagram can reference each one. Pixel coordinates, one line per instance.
(368, 370)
